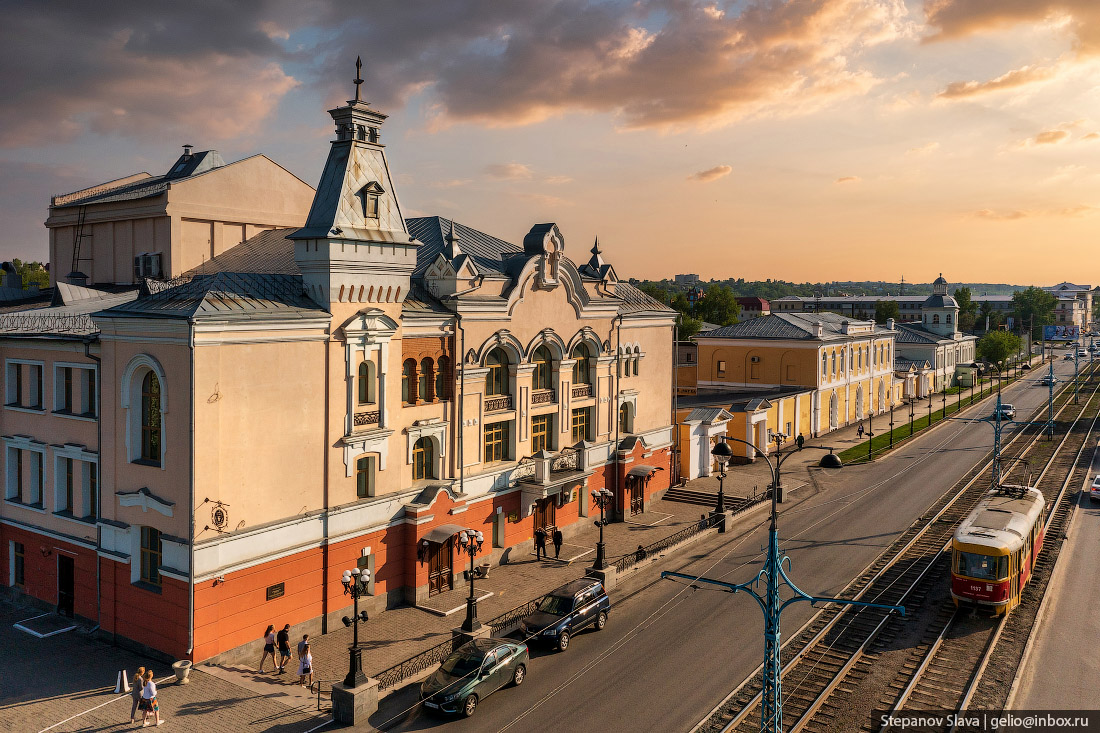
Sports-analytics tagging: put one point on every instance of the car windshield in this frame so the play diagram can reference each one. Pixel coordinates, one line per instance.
(556, 605)
(985, 567)
(461, 664)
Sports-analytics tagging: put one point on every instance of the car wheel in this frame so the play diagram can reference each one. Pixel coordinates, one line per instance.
(601, 621)
(469, 706)
(563, 641)
(519, 675)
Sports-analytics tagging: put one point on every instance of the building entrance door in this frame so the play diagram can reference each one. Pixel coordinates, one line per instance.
(66, 579)
(440, 573)
(636, 488)
(546, 512)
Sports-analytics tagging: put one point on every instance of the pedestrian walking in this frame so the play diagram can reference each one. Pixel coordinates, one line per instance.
(800, 440)
(558, 540)
(136, 686)
(282, 639)
(305, 664)
(269, 648)
(149, 702)
(859, 431)
(540, 543)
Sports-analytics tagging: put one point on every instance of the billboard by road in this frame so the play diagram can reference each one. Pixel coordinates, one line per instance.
(1061, 333)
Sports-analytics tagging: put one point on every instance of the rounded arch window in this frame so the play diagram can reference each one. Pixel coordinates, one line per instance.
(936, 318)
(441, 366)
(496, 380)
(366, 383)
(425, 385)
(543, 377)
(637, 358)
(150, 418)
(408, 382)
(626, 422)
(582, 367)
(423, 459)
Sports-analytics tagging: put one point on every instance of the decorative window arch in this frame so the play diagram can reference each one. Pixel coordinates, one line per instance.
(366, 384)
(626, 418)
(425, 384)
(824, 365)
(949, 318)
(144, 399)
(637, 358)
(496, 379)
(423, 462)
(365, 476)
(408, 382)
(582, 367)
(441, 381)
(543, 377)
(834, 364)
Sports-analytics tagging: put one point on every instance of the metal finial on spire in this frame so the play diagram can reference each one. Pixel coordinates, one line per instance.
(596, 246)
(358, 74)
(452, 242)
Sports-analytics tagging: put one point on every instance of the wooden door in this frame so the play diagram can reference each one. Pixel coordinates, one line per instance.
(546, 513)
(637, 495)
(440, 574)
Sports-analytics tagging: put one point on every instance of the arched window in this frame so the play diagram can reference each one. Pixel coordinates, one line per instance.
(637, 358)
(441, 391)
(364, 477)
(423, 459)
(543, 377)
(824, 365)
(834, 363)
(408, 382)
(366, 383)
(859, 359)
(150, 418)
(496, 380)
(935, 318)
(949, 318)
(625, 423)
(582, 368)
(426, 382)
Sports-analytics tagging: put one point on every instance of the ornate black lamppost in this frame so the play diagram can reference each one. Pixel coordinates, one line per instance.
(470, 541)
(891, 424)
(912, 405)
(722, 453)
(355, 583)
(601, 498)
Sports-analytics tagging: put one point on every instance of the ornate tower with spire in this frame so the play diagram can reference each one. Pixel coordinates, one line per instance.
(355, 247)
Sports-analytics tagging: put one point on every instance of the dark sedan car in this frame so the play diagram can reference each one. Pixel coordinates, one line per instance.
(474, 671)
(566, 611)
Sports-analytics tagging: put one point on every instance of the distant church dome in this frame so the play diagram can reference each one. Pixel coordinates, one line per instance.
(939, 297)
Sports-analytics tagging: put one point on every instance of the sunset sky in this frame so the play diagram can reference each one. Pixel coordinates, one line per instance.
(802, 140)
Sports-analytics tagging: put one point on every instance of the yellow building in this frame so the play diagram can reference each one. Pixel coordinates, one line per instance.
(818, 372)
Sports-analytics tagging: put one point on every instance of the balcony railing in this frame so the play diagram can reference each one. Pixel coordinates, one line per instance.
(503, 402)
(361, 419)
(582, 390)
(567, 460)
(543, 397)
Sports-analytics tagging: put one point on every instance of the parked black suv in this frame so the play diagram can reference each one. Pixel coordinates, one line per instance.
(566, 611)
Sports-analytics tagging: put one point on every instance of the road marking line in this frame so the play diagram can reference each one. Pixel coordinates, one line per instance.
(97, 707)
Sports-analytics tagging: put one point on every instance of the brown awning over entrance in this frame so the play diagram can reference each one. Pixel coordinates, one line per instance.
(443, 532)
(643, 471)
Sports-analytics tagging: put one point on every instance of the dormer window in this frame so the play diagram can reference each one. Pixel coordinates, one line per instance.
(369, 196)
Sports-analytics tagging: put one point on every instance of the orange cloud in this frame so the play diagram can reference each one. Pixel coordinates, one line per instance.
(711, 174)
(1091, 136)
(1014, 78)
(1067, 212)
(848, 179)
(1049, 137)
(960, 18)
(509, 171)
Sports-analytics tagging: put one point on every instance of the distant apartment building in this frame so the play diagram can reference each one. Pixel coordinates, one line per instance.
(753, 307)
(686, 280)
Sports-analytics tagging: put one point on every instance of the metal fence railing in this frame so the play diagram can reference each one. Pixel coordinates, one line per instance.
(414, 665)
(505, 623)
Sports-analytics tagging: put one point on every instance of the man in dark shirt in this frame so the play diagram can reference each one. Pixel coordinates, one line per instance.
(540, 543)
(282, 640)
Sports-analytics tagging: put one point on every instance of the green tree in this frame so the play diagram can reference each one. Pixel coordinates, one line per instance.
(997, 346)
(32, 273)
(1034, 303)
(719, 306)
(688, 327)
(886, 309)
(989, 319)
(968, 309)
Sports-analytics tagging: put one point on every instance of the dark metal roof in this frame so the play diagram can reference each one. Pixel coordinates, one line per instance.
(184, 167)
(268, 252)
(910, 334)
(635, 301)
(224, 294)
(487, 252)
(940, 301)
(790, 326)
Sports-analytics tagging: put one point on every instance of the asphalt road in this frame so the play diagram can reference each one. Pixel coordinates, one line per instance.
(1067, 619)
(669, 654)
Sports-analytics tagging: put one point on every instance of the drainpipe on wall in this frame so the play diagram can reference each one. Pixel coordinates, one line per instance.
(615, 410)
(324, 488)
(460, 360)
(99, 450)
(191, 501)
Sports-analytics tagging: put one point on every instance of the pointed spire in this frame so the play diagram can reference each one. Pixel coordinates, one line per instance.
(358, 76)
(596, 262)
(452, 249)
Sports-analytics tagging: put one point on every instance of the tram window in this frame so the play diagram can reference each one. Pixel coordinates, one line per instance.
(983, 567)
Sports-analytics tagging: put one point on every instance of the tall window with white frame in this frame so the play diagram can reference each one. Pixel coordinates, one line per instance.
(637, 358)
(67, 467)
(423, 459)
(19, 476)
(91, 495)
(543, 377)
(151, 553)
(581, 420)
(364, 477)
(150, 419)
(496, 379)
(582, 366)
(426, 383)
(366, 383)
(625, 423)
(541, 432)
(496, 442)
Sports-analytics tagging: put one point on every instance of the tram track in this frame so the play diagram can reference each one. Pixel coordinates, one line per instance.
(833, 651)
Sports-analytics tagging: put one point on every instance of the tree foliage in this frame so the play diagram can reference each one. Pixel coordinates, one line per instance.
(1034, 303)
(718, 306)
(997, 346)
(989, 318)
(968, 309)
(885, 309)
(32, 273)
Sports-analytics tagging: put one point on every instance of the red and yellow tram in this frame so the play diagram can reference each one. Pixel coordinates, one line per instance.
(994, 549)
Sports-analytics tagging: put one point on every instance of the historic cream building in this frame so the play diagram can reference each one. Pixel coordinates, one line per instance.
(351, 387)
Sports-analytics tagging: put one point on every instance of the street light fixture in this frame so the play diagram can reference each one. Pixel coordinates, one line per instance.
(469, 542)
(722, 453)
(912, 417)
(602, 498)
(355, 582)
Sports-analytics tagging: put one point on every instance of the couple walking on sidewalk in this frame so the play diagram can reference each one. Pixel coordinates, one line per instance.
(144, 694)
(282, 641)
(540, 542)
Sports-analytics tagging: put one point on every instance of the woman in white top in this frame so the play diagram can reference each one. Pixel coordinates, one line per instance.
(269, 648)
(149, 701)
(305, 665)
